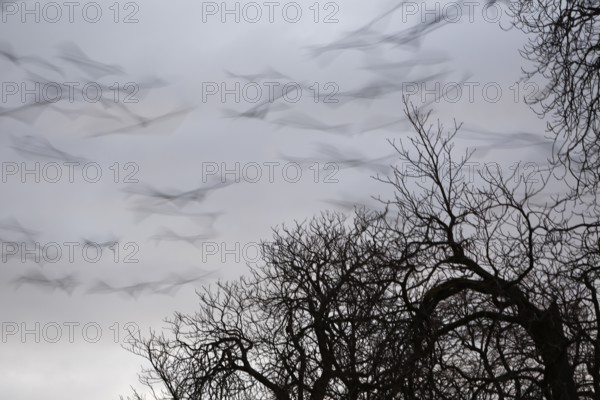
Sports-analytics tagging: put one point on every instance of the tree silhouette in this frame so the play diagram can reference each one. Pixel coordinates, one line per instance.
(460, 290)
(318, 320)
(564, 47)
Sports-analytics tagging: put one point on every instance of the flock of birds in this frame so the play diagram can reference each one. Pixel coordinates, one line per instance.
(68, 283)
(12, 231)
(149, 200)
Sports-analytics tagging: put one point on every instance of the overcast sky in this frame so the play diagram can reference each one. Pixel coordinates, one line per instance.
(172, 130)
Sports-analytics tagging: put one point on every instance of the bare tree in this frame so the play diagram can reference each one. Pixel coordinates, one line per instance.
(564, 46)
(318, 320)
(497, 270)
(473, 290)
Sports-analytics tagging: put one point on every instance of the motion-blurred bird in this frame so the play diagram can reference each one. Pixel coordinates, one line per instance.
(347, 159)
(143, 211)
(169, 235)
(27, 113)
(144, 122)
(345, 205)
(40, 147)
(7, 52)
(175, 282)
(135, 290)
(303, 121)
(67, 284)
(178, 198)
(268, 74)
(262, 109)
(14, 226)
(73, 54)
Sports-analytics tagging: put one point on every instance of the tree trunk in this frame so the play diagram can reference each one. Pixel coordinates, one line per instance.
(546, 330)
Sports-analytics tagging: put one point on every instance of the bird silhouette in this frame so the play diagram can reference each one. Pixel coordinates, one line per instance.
(38, 146)
(174, 282)
(73, 54)
(346, 159)
(506, 140)
(7, 52)
(103, 244)
(178, 198)
(67, 283)
(126, 94)
(345, 205)
(76, 114)
(398, 70)
(72, 114)
(14, 232)
(413, 36)
(362, 38)
(27, 113)
(268, 74)
(143, 122)
(14, 226)
(168, 235)
(303, 121)
(260, 110)
(143, 211)
(372, 90)
(382, 122)
(168, 285)
(134, 290)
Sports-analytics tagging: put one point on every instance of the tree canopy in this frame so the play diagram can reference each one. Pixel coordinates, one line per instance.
(564, 48)
(460, 289)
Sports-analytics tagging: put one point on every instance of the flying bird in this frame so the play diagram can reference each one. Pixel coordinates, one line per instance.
(377, 123)
(73, 54)
(268, 74)
(303, 121)
(362, 38)
(345, 205)
(347, 159)
(195, 240)
(38, 146)
(103, 244)
(178, 198)
(143, 211)
(174, 282)
(397, 70)
(135, 290)
(13, 225)
(369, 92)
(168, 285)
(67, 284)
(260, 110)
(413, 35)
(143, 122)
(7, 52)
(26, 113)
(507, 140)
